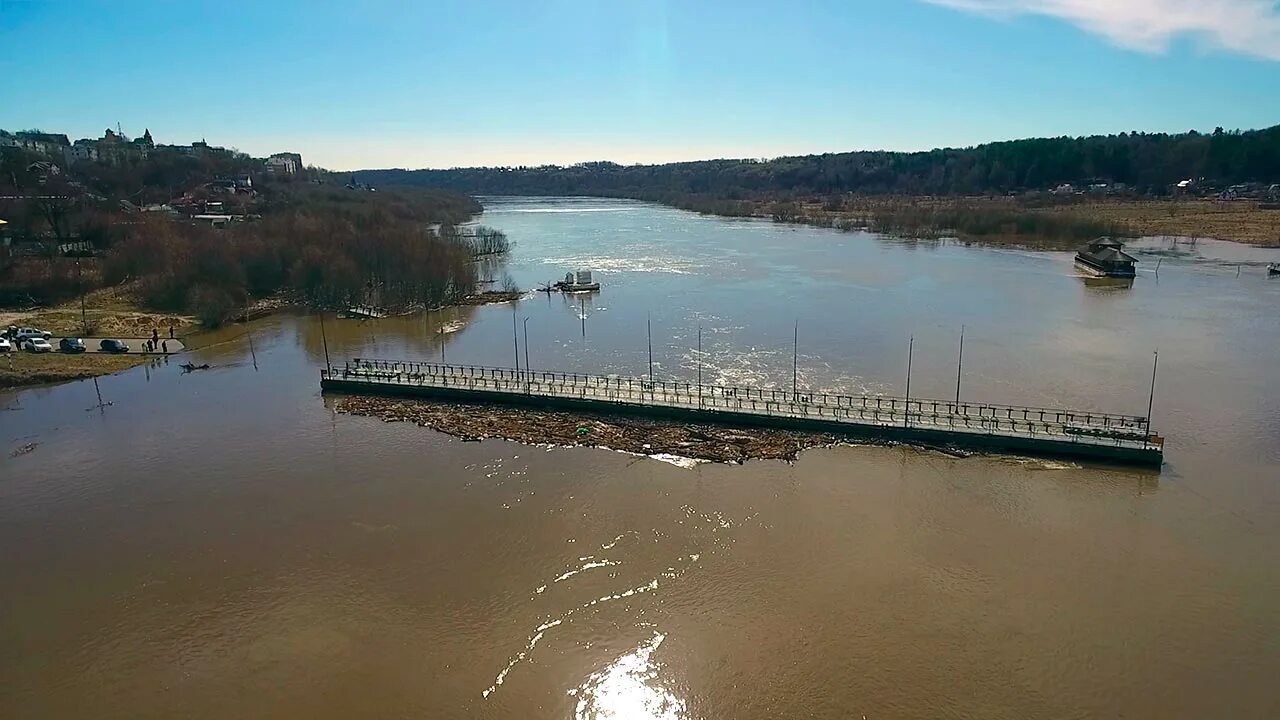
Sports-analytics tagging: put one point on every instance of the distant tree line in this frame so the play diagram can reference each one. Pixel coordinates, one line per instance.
(1148, 162)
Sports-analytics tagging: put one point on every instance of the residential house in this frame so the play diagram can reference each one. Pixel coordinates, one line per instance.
(117, 149)
(1106, 257)
(242, 184)
(43, 170)
(83, 150)
(216, 221)
(41, 142)
(284, 164)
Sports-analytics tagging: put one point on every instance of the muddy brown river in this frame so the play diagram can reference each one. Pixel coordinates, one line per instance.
(224, 544)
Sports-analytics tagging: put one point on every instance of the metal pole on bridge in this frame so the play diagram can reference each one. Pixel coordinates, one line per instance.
(1151, 399)
(515, 338)
(795, 360)
(648, 323)
(906, 414)
(699, 366)
(324, 339)
(959, 365)
(526, 346)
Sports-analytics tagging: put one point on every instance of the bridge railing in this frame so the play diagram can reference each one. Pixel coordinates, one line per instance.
(1087, 427)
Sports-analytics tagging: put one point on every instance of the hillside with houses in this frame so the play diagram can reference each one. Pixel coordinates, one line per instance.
(205, 229)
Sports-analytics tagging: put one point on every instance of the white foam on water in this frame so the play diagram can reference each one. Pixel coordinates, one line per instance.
(584, 568)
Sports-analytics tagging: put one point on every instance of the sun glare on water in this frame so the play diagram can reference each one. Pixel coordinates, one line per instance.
(628, 688)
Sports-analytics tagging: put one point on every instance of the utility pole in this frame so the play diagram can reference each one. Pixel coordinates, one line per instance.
(249, 332)
(959, 365)
(906, 415)
(84, 316)
(101, 405)
(252, 353)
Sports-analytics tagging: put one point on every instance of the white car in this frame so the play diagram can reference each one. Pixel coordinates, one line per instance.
(37, 345)
(5, 345)
(28, 332)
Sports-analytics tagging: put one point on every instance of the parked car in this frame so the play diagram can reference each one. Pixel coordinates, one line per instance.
(113, 346)
(5, 345)
(71, 345)
(28, 332)
(37, 345)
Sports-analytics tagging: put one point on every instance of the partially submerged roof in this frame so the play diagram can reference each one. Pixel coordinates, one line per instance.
(1109, 255)
(1106, 242)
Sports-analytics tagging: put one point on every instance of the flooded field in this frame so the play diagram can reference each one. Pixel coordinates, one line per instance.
(224, 543)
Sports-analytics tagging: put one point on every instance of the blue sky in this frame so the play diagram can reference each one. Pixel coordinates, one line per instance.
(439, 84)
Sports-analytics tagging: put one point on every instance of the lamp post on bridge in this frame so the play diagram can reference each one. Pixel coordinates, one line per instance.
(526, 346)
(906, 410)
(515, 339)
(648, 324)
(795, 360)
(1151, 399)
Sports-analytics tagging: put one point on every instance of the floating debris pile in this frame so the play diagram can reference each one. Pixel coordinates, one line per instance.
(641, 436)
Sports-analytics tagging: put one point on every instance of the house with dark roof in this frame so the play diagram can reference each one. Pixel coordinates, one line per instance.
(1106, 257)
(41, 142)
(285, 163)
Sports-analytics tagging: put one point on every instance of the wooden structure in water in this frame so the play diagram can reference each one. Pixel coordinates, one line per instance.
(1121, 439)
(1105, 257)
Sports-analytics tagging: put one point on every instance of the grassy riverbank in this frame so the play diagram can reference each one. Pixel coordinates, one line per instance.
(111, 312)
(117, 312)
(18, 369)
(1030, 221)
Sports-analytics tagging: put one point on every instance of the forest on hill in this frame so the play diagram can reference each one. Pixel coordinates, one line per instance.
(146, 224)
(1147, 163)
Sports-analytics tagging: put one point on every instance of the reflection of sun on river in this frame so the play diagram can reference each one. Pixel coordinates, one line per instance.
(629, 687)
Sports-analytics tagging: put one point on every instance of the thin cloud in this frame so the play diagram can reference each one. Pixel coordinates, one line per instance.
(1248, 27)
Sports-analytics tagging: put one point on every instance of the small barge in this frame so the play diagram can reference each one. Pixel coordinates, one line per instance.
(1105, 257)
(579, 281)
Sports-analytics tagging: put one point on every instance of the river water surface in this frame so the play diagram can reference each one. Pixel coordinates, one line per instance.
(223, 544)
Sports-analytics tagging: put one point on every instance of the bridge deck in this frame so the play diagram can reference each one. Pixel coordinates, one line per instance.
(1036, 430)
